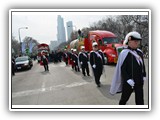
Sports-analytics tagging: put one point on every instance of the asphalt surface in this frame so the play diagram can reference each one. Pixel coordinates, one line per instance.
(63, 86)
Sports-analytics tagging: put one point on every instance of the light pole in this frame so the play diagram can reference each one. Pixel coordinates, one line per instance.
(20, 37)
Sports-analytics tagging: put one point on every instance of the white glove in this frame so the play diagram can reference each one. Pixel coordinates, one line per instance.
(144, 78)
(81, 63)
(94, 66)
(88, 62)
(131, 82)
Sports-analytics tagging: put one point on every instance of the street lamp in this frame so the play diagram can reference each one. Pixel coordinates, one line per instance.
(20, 37)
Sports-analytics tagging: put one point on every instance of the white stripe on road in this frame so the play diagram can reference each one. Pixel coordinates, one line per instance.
(43, 89)
(76, 84)
(43, 86)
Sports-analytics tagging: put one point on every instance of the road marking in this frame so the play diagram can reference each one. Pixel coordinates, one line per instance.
(43, 89)
(59, 65)
(76, 84)
(43, 86)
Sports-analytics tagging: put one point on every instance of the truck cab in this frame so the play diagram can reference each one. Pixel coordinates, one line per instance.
(107, 42)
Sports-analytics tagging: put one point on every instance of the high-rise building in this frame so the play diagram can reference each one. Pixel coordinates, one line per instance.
(61, 35)
(69, 29)
(53, 45)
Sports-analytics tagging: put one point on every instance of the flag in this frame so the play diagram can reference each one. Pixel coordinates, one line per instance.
(30, 46)
(23, 47)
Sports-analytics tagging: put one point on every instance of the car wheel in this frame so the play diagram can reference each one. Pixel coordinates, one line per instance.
(29, 67)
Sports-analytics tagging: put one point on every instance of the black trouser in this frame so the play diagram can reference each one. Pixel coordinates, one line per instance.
(46, 67)
(76, 67)
(13, 71)
(127, 91)
(97, 76)
(66, 62)
(85, 67)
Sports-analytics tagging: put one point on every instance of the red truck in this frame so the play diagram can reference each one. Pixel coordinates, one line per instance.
(107, 42)
(42, 48)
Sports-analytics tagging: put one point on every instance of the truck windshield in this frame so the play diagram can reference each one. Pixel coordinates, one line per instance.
(110, 40)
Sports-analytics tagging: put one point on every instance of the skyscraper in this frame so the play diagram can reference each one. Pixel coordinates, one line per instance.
(69, 29)
(61, 35)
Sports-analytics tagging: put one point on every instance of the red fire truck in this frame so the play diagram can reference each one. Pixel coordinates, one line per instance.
(107, 42)
(42, 48)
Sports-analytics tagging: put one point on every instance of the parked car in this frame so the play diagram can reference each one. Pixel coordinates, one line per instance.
(24, 62)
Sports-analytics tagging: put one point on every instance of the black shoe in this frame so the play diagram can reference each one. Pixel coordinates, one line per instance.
(88, 74)
(84, 75)
(98, 85)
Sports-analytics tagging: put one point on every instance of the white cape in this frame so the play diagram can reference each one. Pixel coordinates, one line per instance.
(116, 85)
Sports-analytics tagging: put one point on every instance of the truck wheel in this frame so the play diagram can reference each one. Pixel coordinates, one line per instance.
(106, 60)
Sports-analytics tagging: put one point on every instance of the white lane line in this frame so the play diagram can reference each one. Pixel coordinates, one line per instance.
(43, 89)
(43, 86)
(76, 84)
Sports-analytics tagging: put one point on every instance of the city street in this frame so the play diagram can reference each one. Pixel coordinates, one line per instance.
(63, 86)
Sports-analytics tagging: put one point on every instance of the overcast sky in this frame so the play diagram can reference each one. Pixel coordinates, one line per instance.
(42, 25)
(43, 28)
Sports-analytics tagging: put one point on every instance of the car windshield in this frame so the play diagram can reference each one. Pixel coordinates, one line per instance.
(110, 40)
(21, 59)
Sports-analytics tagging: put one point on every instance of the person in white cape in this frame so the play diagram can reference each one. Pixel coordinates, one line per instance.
(130, 71)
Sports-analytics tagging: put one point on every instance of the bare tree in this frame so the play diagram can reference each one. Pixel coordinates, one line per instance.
(27, 41)
(15, 46)
(120, 25)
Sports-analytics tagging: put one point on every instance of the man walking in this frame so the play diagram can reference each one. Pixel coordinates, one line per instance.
(97, 62)
(84, 61)
(130, 71)
(45, 62)
(75, 60)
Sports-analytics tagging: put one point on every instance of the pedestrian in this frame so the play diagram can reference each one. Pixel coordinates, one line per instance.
(65, 57)
(75, 60)
(13, 66)
(130, 71)
(97, 62)
(45, 62)
(71, 59)
(84, 61)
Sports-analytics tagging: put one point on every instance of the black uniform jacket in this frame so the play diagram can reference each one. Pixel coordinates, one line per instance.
(131, 69)
(83, 57)
(44, 60)
(65, 56)
(98, 61)
(75, 58)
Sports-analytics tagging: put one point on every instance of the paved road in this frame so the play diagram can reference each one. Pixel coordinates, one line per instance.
(62, 86)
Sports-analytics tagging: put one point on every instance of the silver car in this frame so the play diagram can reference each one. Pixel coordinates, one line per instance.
(24, 62)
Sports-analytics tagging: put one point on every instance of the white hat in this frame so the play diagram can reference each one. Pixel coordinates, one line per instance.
(134, 36)
(94, 44)
(82, 47)
(42, 51)
(74, 50)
